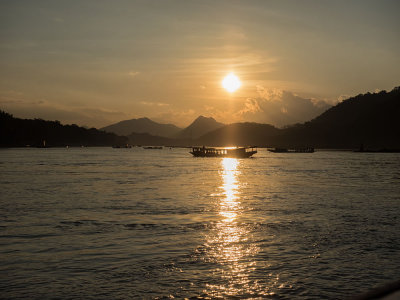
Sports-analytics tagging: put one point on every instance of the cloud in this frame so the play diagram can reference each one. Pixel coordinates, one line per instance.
(14, 102)
(343, 97)
(280, 108)
(251, 106)
(150, 103)
(269, 94)
(220, 59)
(133, 73)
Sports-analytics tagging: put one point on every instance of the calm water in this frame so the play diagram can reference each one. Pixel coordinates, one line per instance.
(107, 223)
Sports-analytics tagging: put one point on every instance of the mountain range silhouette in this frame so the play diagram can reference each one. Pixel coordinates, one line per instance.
(369, 120)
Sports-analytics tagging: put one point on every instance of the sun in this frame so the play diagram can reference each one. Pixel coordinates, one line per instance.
(231, 82)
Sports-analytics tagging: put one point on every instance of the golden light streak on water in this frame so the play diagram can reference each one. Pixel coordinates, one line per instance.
(229, 205)
(228, 244)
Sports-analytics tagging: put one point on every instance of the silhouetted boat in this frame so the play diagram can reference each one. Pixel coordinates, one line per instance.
(124, 146)
(295, 150)
(239, 152)
(381, 150)
(152, 147)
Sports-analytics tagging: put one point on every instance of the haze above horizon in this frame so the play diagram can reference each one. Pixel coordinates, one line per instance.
(95, 63)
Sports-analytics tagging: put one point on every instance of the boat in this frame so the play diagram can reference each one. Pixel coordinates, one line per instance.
(238, 152)
(153, 147)
(124, 146)
(294, 150)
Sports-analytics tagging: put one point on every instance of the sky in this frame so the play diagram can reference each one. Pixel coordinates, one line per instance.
(94, 63)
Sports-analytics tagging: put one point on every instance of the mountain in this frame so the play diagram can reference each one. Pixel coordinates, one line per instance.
(150, 140)
(199, 127)
(142, 125)
(15, 132)
(368, 120)
(240, 134)
(371, 120)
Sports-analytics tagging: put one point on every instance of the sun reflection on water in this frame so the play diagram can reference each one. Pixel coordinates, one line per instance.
(228, 244)
(229, 205)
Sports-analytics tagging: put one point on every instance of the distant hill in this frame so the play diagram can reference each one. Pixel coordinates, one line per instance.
(240, 134)
(15, 132)
(150, 140)
(371, 120)
(199, 127)
(142, 125)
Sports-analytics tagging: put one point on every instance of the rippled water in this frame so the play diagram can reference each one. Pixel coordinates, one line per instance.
(107, 223)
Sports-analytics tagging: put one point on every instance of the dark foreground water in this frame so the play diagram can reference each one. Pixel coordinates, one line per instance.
(105, 223)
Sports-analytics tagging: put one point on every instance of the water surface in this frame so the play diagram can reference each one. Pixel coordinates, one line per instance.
(103, 223)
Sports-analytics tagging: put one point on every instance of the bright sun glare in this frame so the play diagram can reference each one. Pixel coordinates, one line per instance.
(231, 82)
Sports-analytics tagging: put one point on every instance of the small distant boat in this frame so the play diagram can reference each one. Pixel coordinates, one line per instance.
(123, 146)
(294, 150)
(239, 152)
(153, 147)
(379, 150)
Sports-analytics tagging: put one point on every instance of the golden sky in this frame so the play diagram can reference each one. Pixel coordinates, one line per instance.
(95, 62)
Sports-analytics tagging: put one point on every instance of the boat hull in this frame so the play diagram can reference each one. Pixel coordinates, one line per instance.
(232, 153)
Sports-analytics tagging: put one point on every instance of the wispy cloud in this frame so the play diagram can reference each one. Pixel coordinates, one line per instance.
(149, 103)
(133, 73)
(23, 107)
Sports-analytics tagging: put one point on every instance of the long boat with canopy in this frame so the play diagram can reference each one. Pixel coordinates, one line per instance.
(237, 152)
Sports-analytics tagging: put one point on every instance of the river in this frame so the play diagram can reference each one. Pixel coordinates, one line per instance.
(104, 223)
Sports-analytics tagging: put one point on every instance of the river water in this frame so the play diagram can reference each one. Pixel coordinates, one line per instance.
(103, 223)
